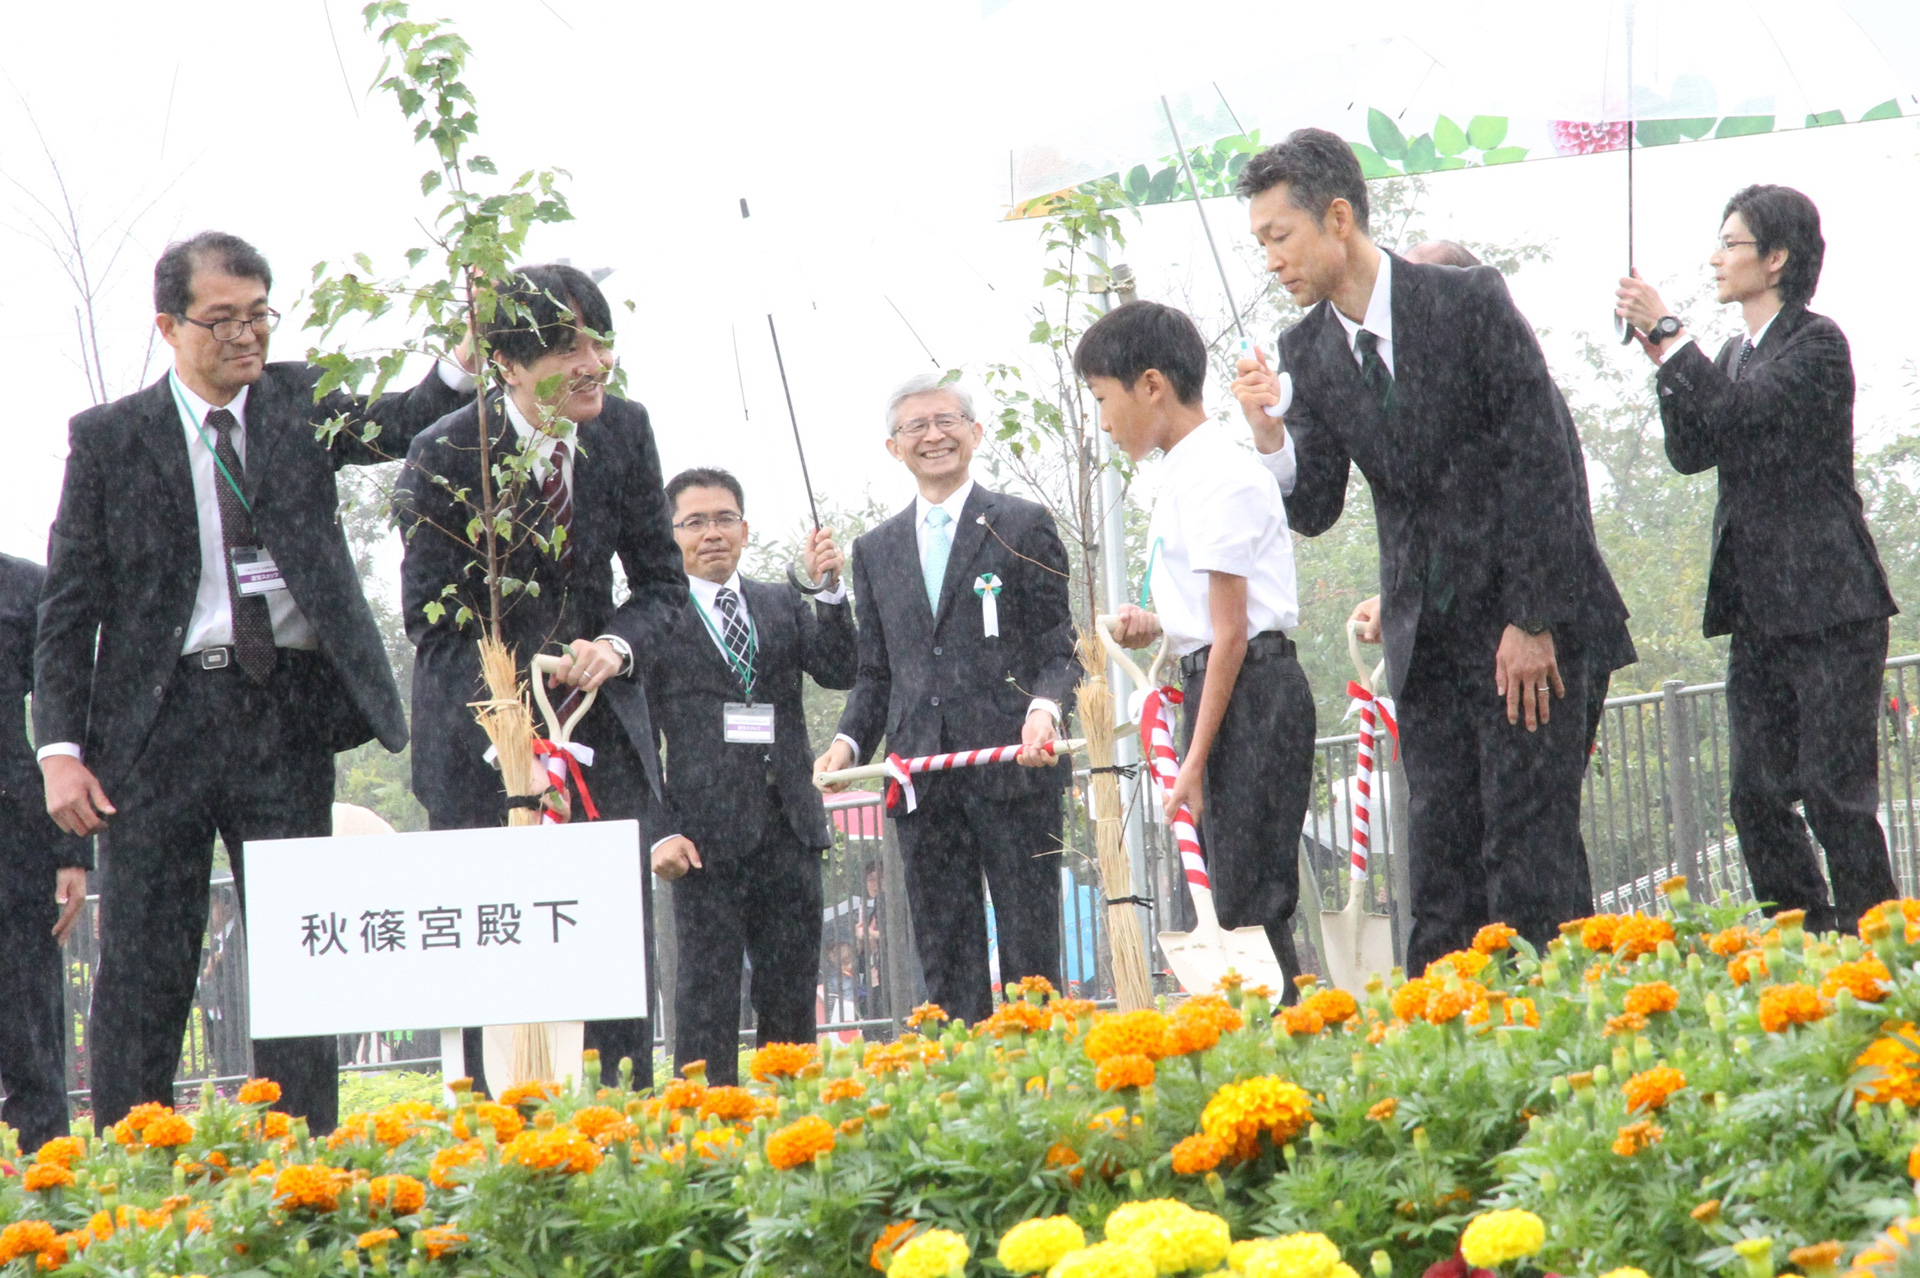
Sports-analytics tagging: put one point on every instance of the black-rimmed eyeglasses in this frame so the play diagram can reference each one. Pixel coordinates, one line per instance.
(724, 521)
(229, 330)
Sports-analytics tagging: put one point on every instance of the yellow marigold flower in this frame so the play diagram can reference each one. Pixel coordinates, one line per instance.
(439, 1240)
(596, 1121)
(926, 1014)
(1790, 1004)
(1650, 1089)
(401, 1195)
(1597, 933)
(61, 1149)
(1334, 1006)
(1626, 1271)
(376, 1238)
(1103, 1260)
(449, 1160)
(1496, 1237)
(1652, 998)
(531, 1092)
(258, 1091)
(783, 1060)
(842, 1089)
(1034, 1246)
(1117, 1072)
(26, 1237)
(1176, 1237)
(1637, 934)
(1381, 1111)
(1140, 1033)
(1239, 1112)
(1636, 1136)
(1301, 1020)
(504, 1119)
(310, 1185)
(1197, 1155)
(43, 1176)
(889, 1241)
(1493, 938)
(562, 1149)
(1465, 963)
(938, 1253)
(717, 1143)
(1304, 1255)
(1866, 979)
(799, 1142)
(729, 1104)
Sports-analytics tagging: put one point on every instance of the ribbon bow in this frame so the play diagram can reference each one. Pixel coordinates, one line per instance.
(987, 586)
(899, 783)
(564, 759)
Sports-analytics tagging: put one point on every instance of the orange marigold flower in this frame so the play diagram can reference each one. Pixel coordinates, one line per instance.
(1790, 1004)
(1879, 921)
(1017, 1017)
(275, 1125)
(562, 1149)
(61, 1149)
(1410, 1000)
(401, 1195)
(799, 1142)
(376, 1238)
(1127, 1070)
(311, 1185)
(1652, 997)
(1465, 963)
(439, 1240)
(1866, 979)
(1381, 1111)
(683, 1093)
(1335, 1006)
(1184, 1038)
(24, 1238)
(1039, 986)
(1706, 1213)
(1074, 1009)
(531, 1092)
(1650, 1089)
(595, 1121)
(1301, 1020)
(396, 1123)
(926, 1014)
(1457, 998)
(1062, 1156)
(1139, 1033)
(504, 1119)
(449, 1160)
(729, 1104)
(1521, 1011)
(1625, 1023)
(891, 1239)
(850, 1126)
(841, 1089)
(1493, 938)
(1637, 1136)
(42, 1176)
(1377, 1034)
(1746, 965)
(1637, 934)
(1239, 1112)
(1898, 1063)
(1212, 1009)
(783, 1060)
(1597, 933)
(258, 1091)
(1730, 942)
(1197, 1155)
(1913, 1162)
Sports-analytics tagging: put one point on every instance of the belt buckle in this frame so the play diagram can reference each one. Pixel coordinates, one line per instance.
(215, 659)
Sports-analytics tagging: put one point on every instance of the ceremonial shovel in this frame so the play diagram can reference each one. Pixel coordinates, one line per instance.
(1359, 943)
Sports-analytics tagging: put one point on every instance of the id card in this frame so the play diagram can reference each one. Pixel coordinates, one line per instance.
(748, 724)
(255, 572)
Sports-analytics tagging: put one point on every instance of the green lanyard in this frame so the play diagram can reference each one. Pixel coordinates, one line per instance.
(186, 415)
(1146, 580)
(743, 672)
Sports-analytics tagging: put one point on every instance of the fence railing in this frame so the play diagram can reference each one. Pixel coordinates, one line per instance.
(1655, 806)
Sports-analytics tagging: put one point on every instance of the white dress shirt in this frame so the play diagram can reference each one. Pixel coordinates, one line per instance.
(707, 595)
(1218, 510)
(1379, 321)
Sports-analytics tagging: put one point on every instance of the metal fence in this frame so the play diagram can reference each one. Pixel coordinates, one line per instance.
(1655, 806)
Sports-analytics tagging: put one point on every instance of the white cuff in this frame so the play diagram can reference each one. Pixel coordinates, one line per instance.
(67, 748)
(851, 744)
(620, 646)
(456, 377)
(1050, 706)
(1283, 465)
(657, 842)
(1666, 352)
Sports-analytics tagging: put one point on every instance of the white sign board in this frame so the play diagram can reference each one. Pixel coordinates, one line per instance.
(452, 927)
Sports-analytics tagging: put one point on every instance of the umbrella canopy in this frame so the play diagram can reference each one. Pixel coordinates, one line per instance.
(1421, 88)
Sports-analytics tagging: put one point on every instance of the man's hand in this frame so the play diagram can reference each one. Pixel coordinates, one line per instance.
(1257, 387)
(1527, 675)
(70, 890)
(1134, 627)
(1367, 613)
(1035, 734)
(820, 557)
(1185, 790)
(839, 755)
(672, 858)
(464, 355)
(588, 664)
(1636, 302)
(75, 800)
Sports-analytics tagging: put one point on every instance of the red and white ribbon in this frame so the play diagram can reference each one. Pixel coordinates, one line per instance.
(564, 760)
(1374, 712)
(900, 772)
(1156, 742)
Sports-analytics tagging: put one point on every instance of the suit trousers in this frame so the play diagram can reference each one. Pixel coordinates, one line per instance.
(762, 903)
(946, 845)
(1493, 810)
(33, 1063)
(225, 757)
(1803, 717)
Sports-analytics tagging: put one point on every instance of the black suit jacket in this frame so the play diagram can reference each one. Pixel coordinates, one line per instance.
(125, 548)
(619, 511)
(31, 841)
(1791, 550)
(714, 788)
(1482, 514)
(931, 682)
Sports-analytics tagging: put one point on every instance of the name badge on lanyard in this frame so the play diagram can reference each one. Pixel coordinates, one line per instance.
(747, 724)
(254, 571)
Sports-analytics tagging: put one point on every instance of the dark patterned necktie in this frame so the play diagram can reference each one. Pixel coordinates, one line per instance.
(1740, 360)
(252, 622)
(556, 494)
(1373, 369)
(739, 640)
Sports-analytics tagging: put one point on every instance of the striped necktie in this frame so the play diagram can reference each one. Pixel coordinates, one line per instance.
(556, 495)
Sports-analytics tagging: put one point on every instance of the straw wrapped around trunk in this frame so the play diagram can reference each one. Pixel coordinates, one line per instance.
(508, 724)
(1132, 986)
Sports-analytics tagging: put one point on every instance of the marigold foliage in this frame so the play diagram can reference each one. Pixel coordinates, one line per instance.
(1034, 1246)
(799, 1142)
(1496, 1237)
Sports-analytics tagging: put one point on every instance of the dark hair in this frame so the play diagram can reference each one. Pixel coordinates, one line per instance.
(1442, 253)
(1136, 336)
(704, 477)
(1318, 168)
(542, 309)
(228, 254)
(1781, 217)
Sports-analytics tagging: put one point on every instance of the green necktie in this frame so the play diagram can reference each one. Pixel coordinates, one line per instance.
(1373, 369)
(933, 561)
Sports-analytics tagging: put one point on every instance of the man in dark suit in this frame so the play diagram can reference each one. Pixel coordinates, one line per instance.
(205, 648)
(1493, 591)
(966, 641)
(594, 472)
(1795, 579)
(744, 827)
(43, 885)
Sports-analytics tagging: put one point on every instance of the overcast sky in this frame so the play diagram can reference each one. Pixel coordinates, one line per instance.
(866, 137)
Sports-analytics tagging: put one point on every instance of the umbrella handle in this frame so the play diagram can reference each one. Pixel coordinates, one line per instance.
(540, 667)
(1370, 677)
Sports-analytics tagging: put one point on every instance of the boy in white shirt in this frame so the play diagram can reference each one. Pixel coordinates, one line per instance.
(1220, 569)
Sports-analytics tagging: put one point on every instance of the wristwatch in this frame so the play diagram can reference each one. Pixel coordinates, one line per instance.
(1667, 326)
(1535, 626)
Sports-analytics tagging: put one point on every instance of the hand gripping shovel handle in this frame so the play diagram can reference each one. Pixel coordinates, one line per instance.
(1150, 678)
(539, 668)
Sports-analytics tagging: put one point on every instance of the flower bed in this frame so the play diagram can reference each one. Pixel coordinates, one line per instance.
(1665, 1093)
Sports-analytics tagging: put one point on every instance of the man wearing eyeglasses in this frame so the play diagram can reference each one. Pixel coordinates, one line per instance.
(966, 641)
(205, 649)
(744, 827)
(1795, 579)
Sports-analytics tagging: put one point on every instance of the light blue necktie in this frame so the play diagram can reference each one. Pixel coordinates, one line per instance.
(933, 565)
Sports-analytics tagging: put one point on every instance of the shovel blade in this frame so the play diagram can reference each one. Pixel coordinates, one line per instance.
(1200, 958)
(1359, 945)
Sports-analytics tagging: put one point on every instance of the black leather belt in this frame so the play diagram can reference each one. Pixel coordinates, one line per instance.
(1265, 646)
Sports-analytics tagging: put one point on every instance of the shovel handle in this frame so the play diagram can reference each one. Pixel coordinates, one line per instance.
(539, 668)
(1368, 675)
